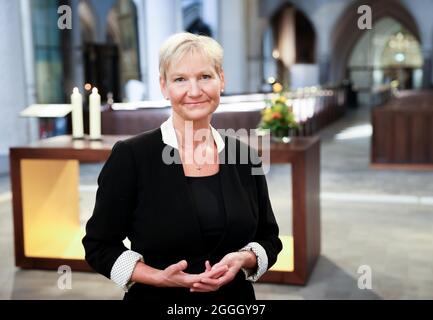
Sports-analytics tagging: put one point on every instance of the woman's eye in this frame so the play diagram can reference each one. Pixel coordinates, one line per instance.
(180, 79)
(206, 76)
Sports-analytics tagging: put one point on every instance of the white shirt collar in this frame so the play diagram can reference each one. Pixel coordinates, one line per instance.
(169, 135)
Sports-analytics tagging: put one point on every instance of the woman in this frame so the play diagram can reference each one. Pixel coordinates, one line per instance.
(200, 229)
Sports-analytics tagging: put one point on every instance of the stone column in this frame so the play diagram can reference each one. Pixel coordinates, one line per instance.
(211, 16)
(161, 20)
(17, 85)
(324, 63)
(427, 68)
(232, 36)
(255, 30)
(142, 39)
(77, 49)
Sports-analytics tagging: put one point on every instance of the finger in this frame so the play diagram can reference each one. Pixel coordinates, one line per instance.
(198, 290)
(217, 272)
(215, 275)
(214, 270)
(204, 286)
(226, 278)
(211, 281)
(208, 266)
(217, 265)
(201, 287)
(214, 281)
(190, 278)
(180, 266)
(219, 268)
(203, 290)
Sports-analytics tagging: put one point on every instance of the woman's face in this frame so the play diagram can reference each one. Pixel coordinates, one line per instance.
(193, 86)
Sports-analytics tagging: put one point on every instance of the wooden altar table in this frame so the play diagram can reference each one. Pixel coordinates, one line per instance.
(47, 231)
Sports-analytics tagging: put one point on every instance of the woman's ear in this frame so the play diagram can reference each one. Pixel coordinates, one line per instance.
(163, 86)
(223, 81)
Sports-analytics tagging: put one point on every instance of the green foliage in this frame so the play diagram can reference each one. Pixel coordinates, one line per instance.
(278, 116)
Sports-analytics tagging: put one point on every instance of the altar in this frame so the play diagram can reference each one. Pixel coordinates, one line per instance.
(45, 188)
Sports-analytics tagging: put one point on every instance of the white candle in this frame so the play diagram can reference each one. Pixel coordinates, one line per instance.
(77, 114)
(95, 115)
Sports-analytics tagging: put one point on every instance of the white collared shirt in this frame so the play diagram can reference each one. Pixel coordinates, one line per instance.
(169, 135)
(124, 266)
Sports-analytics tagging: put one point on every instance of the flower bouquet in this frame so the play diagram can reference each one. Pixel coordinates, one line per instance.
(278, 116)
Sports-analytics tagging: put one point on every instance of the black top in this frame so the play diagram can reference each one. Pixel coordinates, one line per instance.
(143, 198)
(209, 205)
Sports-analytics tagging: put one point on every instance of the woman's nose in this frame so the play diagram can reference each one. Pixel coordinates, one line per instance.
(194, 89)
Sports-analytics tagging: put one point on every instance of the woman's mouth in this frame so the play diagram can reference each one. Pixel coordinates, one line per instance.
(195, 103)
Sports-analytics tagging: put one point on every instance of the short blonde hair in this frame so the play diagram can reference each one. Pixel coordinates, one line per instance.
(179, 44)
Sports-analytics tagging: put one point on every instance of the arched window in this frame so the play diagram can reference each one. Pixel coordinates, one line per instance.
(51, 47)
(386, 53)
(47, 44)
(293, 42)
(87, 22)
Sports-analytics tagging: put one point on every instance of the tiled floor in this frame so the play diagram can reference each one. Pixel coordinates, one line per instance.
(379, 219)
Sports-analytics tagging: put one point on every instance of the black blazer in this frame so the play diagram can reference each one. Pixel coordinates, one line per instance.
(142, 198)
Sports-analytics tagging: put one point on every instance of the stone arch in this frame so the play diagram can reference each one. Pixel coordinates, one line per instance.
(346, 32)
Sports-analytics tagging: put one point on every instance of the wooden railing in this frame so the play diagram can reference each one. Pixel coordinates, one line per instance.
(316, 108)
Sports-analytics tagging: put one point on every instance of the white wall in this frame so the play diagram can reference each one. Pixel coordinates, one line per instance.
(304, 75)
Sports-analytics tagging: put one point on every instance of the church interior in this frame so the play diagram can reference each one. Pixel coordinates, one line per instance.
(350, 184)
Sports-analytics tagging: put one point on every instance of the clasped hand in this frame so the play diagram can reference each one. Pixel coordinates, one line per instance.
(211, 279)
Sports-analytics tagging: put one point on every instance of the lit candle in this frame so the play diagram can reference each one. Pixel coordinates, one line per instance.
(77, 114)
(95, 114)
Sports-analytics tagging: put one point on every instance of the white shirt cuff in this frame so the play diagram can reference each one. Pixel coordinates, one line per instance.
(123, 268)
(262, 261)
